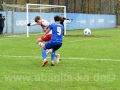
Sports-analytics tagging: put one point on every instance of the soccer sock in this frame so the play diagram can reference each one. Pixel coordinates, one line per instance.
(53, 55)
(41, 44)
(44, 54)
(49, 51)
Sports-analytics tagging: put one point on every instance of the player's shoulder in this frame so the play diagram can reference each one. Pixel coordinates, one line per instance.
(55, 24)
(52, 24)
(43, 20)
(60, 24)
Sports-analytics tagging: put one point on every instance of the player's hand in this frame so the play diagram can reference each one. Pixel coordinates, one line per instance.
(28, 24)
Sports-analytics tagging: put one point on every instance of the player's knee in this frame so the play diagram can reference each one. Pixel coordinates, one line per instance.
(37, 41)
(43, 47)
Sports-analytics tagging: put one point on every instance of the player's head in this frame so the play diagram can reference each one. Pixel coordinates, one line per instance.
(37, 18)
(57, 18)
(0, 15)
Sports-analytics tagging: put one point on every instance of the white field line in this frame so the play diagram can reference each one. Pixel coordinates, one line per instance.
(64, 58)
(9, 37)
(2, 39)
(13, 36)
(18, 36)
(82, 40)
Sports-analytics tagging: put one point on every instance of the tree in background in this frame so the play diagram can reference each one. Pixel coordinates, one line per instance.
(75, 6)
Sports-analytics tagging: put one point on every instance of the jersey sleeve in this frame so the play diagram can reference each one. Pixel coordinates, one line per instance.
(45, 23)
(66, 18)
(50, 27)
(34, 23)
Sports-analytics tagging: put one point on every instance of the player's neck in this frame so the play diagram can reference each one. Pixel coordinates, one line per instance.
(57, 21)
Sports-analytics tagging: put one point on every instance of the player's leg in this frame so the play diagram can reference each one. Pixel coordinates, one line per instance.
(39, 41)
(0, 30)
(49, 51)
(49, 45)
(63, 31)
(63, 34)
(44, 38)
(58, 45)
(44, 57)
(52, 57)
(57, 57)
(55, 47)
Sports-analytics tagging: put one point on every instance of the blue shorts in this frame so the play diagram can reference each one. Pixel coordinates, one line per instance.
(53, 45)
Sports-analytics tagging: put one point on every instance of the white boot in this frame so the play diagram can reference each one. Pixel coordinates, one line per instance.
(57, 58)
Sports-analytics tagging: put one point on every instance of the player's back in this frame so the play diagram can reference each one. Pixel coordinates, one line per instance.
(45, 23)
(57, 32)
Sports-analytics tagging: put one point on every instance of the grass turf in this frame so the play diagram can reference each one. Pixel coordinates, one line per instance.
(87, 62)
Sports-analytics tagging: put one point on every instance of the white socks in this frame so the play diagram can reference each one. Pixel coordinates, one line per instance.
(41, 44)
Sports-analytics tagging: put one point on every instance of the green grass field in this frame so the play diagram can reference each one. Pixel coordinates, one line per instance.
(87, 62)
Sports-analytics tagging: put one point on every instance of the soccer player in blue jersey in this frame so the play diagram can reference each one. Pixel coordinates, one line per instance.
(56, 41)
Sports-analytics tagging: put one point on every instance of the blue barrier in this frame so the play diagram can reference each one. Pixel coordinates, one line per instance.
(80, 21)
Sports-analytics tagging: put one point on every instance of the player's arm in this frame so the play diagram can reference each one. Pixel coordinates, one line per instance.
(67, 19)
(43, 28)
(3, 17)
(49, 28)
(47, 31)
(32, 24)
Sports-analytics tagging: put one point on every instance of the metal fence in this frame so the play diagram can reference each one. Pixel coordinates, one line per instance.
(78, 6)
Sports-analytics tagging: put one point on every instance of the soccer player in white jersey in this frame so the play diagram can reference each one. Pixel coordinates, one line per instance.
(44, 24)
(45, 38)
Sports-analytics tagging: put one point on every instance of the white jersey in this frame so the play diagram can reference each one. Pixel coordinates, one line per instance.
(45, 25)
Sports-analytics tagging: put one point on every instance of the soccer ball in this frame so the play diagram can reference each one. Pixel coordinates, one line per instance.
(87, 32)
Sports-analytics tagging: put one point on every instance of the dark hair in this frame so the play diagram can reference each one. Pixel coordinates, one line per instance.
(37, 18)
(57, 18)
(0, 15)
